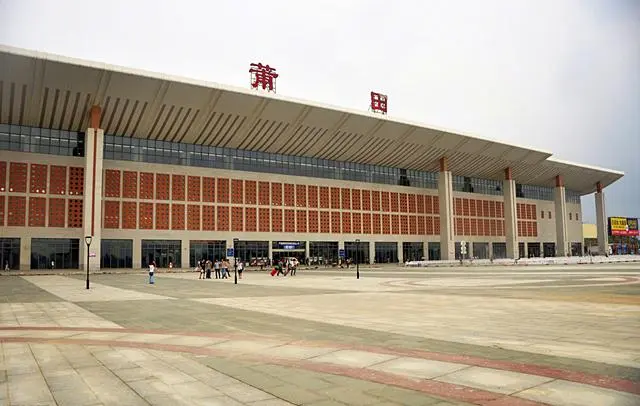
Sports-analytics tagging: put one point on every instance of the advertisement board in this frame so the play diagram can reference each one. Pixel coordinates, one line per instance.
(623, 226)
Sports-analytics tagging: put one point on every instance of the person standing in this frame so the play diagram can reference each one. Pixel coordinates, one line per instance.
(240, 268)
(216, 268)
(208, 269)
(152, 270)
(225, 268)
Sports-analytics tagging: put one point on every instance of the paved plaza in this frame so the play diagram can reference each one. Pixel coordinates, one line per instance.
(493, 336)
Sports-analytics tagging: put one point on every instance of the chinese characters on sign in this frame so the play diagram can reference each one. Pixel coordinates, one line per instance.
(263, 76)
(378, 103)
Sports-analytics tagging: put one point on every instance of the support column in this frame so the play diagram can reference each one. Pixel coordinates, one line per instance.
(562, 242)
(601, 221)
(270, 252)
(25, 254)
(137, 253)
(510, 218)
(372, 252)
(306, 251)
(186, 254)
(92, 199)
(445, 196)
(400, 253)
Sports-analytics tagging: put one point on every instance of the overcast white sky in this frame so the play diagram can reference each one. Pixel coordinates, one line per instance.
(559, 75)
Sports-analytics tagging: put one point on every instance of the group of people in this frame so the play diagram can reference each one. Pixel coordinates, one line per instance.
(220, 268)
(284, 268)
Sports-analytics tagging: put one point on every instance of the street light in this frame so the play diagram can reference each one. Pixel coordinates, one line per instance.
(235, 262)
(87, 240)
(358, 258)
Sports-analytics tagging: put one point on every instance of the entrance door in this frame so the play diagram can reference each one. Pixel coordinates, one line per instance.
(549, 249)
(533, 249)
(434, 251)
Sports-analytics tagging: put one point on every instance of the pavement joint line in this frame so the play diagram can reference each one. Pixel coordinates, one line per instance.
(531, 369)
(309, 364)
(430, 387)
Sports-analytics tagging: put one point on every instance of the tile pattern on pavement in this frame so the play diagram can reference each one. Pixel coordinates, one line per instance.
(266, 357)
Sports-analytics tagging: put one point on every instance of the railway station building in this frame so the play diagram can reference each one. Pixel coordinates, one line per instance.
(154, 167)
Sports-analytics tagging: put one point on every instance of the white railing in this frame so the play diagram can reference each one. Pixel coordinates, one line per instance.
(611, 259)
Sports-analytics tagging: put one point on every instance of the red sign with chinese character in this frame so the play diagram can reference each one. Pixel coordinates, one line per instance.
(263, 76)
(379, 102)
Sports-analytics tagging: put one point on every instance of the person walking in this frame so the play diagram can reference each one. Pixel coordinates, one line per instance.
(152, 270)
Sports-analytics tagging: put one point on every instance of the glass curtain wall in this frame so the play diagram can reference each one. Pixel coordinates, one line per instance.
(357, 251)
(116, 254)
(206, 249)
(386, 253)
(55, 253)
(252, 251)
(323, 252)
(10, 253)
(412, 251)
(499, 250)
(162, 252)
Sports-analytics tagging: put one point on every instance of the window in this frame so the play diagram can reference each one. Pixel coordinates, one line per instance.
(386, 252)
(162, 252)
(570, 216)
(41, 140)
(116, 254)
(55, 253)
(323, 252)
(577, 218)
(549, 214)
(210, 250)
(541, 214)
(10, 253)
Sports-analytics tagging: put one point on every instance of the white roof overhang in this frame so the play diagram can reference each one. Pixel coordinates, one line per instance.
(50, 91)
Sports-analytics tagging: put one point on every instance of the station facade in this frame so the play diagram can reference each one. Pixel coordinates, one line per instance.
(169, 185)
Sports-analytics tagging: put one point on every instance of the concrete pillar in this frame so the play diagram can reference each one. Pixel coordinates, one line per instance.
(445, 196)
(510, 214)
(372, 252)
(137, 253)
(400, 253)
(469, 250)
(25, 254)
(306, 250)
(185, 251)
(270, 248)
(92, 199)
(562, 241)
(601, 221)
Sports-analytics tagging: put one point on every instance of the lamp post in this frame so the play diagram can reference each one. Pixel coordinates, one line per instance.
(358, 258)
(87, 241)
(235, 261)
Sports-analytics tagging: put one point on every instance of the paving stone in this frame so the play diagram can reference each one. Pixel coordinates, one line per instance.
(560, 392)
(270, 402)
(244, 393)
(29, 389)
(352, 358)
(291, 351)
(493, 380)
(349, 396)
(196, 390)
(296, 395)
(78, 396)
(216, 401)
(419, 368)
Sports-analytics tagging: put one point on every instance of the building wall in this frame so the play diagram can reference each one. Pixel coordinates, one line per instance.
(43, 194)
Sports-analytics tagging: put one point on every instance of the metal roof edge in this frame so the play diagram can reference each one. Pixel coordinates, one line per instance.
(218, 86)
(585, 166)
